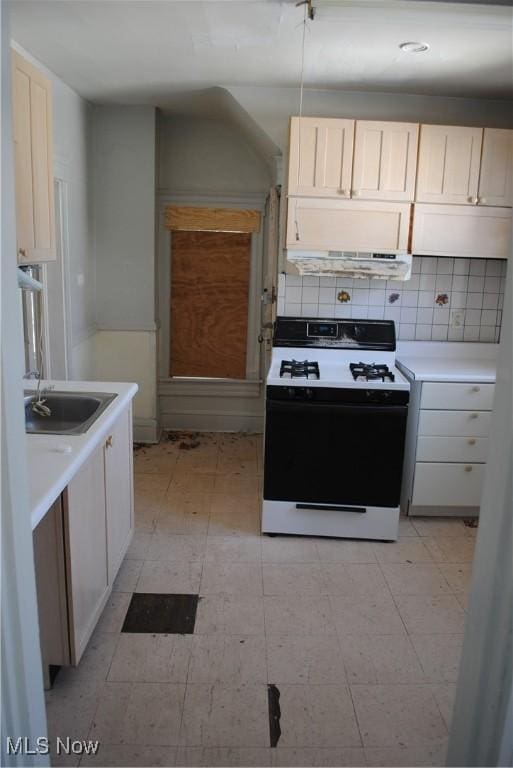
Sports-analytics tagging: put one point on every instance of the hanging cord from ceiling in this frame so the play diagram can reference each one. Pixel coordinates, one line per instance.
(308, 10)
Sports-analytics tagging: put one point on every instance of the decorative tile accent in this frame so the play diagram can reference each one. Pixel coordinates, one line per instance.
(421, 307)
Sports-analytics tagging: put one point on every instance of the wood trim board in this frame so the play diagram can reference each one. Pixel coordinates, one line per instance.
(193, 219)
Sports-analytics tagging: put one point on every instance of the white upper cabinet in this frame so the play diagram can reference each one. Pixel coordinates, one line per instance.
(385, 161)
(347, 225)
(321, 157)
(32, 132)
(496, 180)
(449, 162)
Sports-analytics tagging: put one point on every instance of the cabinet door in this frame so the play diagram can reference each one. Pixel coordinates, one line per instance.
(347, 225)
(321, 157)
(86, 551)
(119, 492)
(33, 158)
(50, 569)
(460, 230)
(449, 161)
(385, 160)
(495, 182)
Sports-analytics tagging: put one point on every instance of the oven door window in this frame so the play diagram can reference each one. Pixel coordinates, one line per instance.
(334, 454)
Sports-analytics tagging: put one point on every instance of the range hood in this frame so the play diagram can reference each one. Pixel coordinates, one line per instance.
(384, 266)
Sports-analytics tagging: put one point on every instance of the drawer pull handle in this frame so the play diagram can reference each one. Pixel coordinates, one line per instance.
(476, 389)
(472, 441)
(474, 415)
(109, 441)
(468, 469)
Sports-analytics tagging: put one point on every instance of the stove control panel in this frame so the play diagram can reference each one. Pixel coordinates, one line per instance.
(343, 395)
(322, 330)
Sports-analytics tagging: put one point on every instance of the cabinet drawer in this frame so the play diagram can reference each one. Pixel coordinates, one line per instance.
(472, 397)
(454, 423)
(468, 449)
(448, 485)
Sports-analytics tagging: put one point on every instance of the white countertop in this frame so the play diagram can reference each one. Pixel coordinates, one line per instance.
(449, 369)
(449, 361)
(53, 460)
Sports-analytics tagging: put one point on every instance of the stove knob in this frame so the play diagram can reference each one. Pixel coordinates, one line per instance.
(309, 394)
(291, 393)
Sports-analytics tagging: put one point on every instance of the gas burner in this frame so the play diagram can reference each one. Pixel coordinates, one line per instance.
(371, 372)
(299, 369)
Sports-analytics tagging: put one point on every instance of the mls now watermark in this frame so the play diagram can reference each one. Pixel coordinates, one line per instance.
(43, 746)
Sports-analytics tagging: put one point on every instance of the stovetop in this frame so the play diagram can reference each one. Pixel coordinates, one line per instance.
(358, 354)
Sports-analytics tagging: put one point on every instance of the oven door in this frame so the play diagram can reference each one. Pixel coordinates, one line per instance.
(334, 453)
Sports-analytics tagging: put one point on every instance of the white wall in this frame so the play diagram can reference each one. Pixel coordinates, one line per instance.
(271, 108)
(124, 217)
(207, 156)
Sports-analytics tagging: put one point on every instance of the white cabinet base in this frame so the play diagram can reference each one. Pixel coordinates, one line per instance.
(378, 523)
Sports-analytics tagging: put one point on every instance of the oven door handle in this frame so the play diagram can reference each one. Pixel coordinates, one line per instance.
(286, 406)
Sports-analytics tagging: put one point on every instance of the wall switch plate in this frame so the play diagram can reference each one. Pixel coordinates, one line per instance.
(457, 318)
(80, 279)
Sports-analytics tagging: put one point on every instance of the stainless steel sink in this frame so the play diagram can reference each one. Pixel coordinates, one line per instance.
(71, 413)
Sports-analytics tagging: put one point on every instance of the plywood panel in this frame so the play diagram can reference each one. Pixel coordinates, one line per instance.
(209, 304)
(187, 219)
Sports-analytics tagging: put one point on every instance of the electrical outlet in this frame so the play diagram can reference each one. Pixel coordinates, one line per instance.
(80, 279)
(457, 318)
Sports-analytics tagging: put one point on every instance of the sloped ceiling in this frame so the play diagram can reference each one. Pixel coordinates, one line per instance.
(148, 52)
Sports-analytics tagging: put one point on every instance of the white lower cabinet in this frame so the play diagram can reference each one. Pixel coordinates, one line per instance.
(447, 485)
(118, 492)
(80, 544)
(446, 447)
(85, 536)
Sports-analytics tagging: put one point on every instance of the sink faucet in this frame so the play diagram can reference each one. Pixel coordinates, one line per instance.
(32, 375)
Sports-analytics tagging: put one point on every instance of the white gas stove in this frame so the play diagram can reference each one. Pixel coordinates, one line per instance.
(336, 409)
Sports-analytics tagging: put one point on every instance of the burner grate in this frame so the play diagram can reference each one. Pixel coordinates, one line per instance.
(299, 369)
(371, 372)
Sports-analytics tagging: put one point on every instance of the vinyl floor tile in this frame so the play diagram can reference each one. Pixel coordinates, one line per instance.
(439, 655)
(319, 757)
(219, 715)
(304, 659)
(231, 579)
(298, 615)
(136, 713)
(228, 659)
(426, 755)
(151, 658)
(230, 615)
(170, 577)
(223, 757)
(131, 756)
(366, 615)
(426, 615)
(397, 715)
(317, 716)
(380, 659)
(233, 549)
(415, 579)
(289, 549)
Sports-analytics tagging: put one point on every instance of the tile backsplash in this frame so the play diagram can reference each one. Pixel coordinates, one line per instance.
(445, 300)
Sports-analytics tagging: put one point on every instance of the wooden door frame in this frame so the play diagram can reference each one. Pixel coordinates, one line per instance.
(253, 202)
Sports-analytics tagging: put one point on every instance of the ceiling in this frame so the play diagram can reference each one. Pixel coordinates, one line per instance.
(154, 51)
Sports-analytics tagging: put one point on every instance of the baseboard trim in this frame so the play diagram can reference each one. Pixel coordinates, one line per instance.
(146, 430)
(213, 422)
